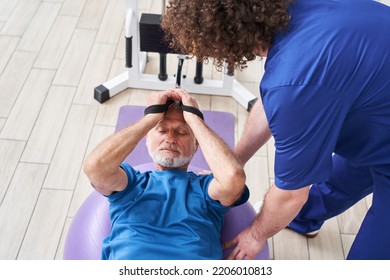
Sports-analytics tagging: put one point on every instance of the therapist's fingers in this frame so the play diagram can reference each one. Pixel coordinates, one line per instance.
(230, 243)
(233, 254)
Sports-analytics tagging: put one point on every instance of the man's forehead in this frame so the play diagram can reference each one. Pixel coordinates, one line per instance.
(174, 114)
(177, 122)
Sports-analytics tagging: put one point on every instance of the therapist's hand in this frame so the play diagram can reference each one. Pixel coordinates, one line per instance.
(246, 245)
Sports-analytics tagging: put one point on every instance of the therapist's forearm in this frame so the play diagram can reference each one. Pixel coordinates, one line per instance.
(256, 133)
(279, 209)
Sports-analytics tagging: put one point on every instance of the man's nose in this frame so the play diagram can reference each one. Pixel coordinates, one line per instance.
(170, 137)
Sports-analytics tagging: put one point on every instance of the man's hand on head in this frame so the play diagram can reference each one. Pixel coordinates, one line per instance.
(186, 98)
(161, 97)
(156, 100)
(189, 105)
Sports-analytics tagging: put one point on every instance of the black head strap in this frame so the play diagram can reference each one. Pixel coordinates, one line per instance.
(160, 108)
(163, 108)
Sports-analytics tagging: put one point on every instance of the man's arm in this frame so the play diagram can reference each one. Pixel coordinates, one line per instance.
(256, 133)
(229, 176)
(102, 166)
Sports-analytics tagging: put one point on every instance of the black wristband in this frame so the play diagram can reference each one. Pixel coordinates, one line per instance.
(163, 108)
(193, 110)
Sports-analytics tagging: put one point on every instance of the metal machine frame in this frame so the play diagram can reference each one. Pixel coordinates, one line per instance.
(135, 77)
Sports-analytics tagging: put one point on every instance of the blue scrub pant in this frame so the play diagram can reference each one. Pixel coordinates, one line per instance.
(348, 184)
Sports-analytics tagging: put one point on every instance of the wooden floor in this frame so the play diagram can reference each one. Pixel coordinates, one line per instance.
(52, 55)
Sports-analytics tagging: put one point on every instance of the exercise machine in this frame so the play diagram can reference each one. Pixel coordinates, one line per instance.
(145, 35)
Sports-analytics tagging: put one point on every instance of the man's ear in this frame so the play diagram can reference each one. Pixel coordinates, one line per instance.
(147, 139)
(196, 146)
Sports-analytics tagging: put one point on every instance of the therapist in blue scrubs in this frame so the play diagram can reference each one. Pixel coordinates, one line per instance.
(325, 98)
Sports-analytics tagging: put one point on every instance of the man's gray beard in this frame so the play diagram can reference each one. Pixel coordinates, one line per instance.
(170, 162)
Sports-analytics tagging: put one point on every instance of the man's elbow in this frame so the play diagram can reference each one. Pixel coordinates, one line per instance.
(236, 182)
(89, 167)
(238, 178)
(93, 169)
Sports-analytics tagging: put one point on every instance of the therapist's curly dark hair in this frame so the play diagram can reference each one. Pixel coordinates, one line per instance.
(225, 30)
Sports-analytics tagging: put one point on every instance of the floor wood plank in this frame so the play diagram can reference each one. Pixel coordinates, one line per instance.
(289, 245)
(6, 9)
(92, 14)
(7, 46)
(351, 220)
(10, 152)
(347, 241)
(72, 7)
(26, 109)
(44, 231)
(17, 71)
(65, 166)
(56, 44)
(60, 250)
(2, 121)
(72, 65)
(327, 244)
(46, 133)
(112, 22)
(95, 72)
(20, 17)
(26, 184)
(39, 27)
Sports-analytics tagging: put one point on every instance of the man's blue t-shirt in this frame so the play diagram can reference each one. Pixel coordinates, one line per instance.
(326, 89)
(165, 215)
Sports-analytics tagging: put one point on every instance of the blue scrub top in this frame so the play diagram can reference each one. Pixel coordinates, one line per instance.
(326, 89)
(165, 215)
